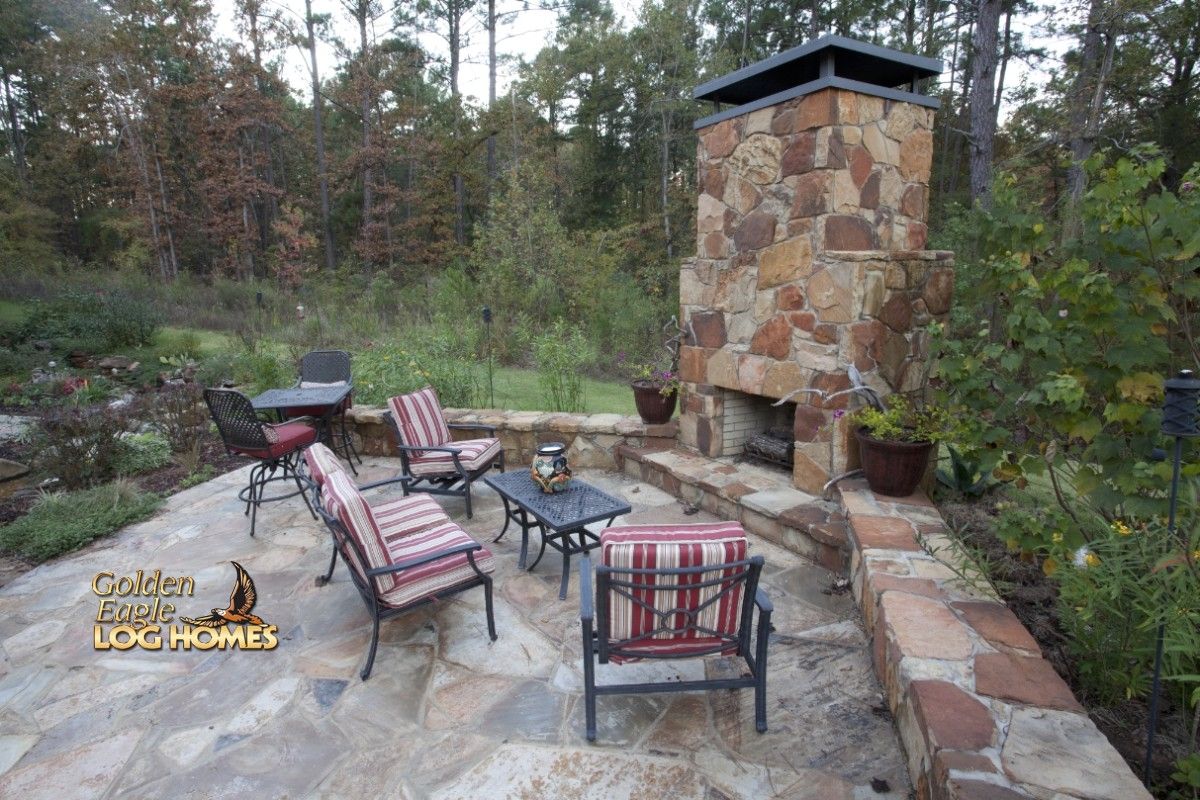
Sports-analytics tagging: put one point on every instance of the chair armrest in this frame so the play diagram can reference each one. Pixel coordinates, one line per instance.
(376, 484)
(472, 426)
(416, 562)
(762, 601)
(586, 612)
(430, 449)
(306, 419)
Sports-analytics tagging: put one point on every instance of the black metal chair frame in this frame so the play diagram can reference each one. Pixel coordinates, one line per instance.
(240, 430)
(445, 483)
(597, 644)
(315, 488)
(368, 588)
(331, 366)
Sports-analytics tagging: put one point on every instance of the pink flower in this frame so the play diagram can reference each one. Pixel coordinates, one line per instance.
(838, 414)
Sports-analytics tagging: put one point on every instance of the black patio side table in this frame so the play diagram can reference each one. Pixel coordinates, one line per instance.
(294, 397)
(558, 517)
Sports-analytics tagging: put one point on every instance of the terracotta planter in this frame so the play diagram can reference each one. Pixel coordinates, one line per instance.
(654, 407)
(892, 468)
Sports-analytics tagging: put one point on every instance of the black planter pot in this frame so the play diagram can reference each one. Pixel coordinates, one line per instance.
(892, 468)
(654, 407)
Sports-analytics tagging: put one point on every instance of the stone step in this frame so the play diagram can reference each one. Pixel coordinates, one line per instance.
(763, 500)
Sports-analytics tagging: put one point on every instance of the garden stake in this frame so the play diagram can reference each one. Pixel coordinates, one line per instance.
(487, 323)
(1182, 393)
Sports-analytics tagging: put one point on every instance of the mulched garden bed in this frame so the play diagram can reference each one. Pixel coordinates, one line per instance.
(1033, 597)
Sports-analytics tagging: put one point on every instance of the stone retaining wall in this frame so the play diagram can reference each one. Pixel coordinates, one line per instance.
(981, 714)
(590, 438)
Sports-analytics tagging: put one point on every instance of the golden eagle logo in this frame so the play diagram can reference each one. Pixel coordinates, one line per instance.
(241, 601)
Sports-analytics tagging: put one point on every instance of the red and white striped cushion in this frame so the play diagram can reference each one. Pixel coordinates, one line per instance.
(321, 462)
(429, 579)
(419, 418)
(342, 498)
(667, 547)
(472, 454)
(407, 515)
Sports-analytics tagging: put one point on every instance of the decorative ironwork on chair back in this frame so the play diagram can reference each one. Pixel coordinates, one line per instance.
(325, 366)
(670, 629)
(236, 419)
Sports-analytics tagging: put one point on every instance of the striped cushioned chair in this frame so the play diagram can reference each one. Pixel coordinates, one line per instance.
(394, 571)
(430, 461)
(674, 591)
(396, 518)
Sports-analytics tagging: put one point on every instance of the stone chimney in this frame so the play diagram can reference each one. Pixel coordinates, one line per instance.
(811, 231)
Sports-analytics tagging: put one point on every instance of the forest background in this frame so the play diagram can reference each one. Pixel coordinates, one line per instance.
(144, 150)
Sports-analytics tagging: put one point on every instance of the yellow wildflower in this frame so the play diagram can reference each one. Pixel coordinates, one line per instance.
(1092, 560)
(1120, 528)
(1056, 537)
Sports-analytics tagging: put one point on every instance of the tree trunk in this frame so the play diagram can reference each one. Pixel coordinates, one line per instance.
(491, 140)
(1004, 58)
(173, 260)
(814, 19)
(455, 41)
(361, 11)
(664, 183)
(15, 137)
(983, 92)
(319, 138)
(1087, 95)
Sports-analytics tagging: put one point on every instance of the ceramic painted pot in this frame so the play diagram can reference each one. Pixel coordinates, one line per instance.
(550, 470)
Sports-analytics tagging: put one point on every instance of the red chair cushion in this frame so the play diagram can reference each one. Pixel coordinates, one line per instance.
(419, 418)
(669, 547)
(289, 436)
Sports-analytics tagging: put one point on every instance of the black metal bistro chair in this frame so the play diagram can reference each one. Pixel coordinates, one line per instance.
(397, 570)
(430, 461)
(671, 592)
(276, 447)
(328, 368)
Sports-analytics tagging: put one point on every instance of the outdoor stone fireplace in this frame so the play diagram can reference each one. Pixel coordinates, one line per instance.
(810, 234)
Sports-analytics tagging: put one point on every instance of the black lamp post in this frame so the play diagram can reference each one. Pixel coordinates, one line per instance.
(487, 325)
(1181, 419)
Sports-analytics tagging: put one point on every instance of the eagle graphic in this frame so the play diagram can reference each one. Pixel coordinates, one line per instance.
(241, 600)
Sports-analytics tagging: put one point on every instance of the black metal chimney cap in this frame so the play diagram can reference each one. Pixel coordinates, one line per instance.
(825, 62)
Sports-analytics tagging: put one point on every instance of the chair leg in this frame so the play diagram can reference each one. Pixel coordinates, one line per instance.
(348, 441)
(299, 485)
(324, 579)
(760, 673)
(366, 671)
(468, 497)
(589, 682)
(487, 603)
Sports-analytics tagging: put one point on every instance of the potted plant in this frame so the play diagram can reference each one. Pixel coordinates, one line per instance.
(655, 393)
(894, 443)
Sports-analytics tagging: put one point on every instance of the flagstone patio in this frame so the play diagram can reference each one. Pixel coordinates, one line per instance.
(445, 714)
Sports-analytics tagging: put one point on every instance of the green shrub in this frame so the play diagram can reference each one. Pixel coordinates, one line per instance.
(258, 371)
(178, 413)
(95, 321)
(384, 371)
(562, 353)
(64, 521)
(1128, 581)
(1058, 350)
(80, 446)
(142, 452)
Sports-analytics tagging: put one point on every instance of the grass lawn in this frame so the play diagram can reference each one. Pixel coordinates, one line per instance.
(518, 390)
(12, 311)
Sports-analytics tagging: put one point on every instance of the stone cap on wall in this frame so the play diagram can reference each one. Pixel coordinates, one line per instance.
(981, 715)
